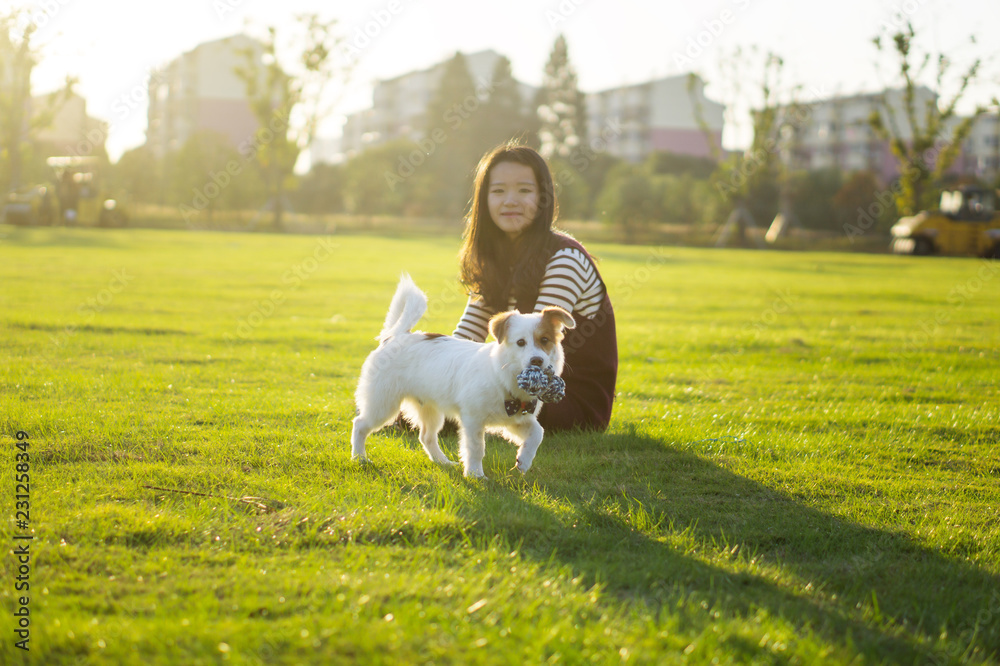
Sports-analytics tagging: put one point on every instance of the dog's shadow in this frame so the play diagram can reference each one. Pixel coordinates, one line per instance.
(645, 504)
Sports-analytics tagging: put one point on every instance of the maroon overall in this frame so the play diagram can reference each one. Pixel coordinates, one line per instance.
(591, 367)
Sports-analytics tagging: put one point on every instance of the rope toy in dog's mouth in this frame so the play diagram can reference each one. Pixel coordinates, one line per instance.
(545, 384)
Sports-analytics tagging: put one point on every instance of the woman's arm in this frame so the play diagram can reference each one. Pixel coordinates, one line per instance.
(571, 283)
(474, 324)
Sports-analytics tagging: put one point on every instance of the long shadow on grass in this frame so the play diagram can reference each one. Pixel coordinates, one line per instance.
(640, 496)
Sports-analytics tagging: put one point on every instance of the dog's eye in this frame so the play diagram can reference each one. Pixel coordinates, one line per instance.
(545, 340)
(521, 342)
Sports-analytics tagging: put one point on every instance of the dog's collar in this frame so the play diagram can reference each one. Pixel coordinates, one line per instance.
(515, 406)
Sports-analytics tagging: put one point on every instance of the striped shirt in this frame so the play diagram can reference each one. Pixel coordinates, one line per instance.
(570, 282)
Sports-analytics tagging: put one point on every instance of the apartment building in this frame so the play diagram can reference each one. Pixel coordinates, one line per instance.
(658, 115)
(200, 91)
(71, 131)
(629, 122)
(981, 152)
(836, 133)
(399, 105)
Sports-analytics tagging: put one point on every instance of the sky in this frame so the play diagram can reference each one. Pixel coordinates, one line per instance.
(111, 45)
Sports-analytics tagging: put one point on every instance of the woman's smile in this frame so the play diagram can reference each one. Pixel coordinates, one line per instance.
(513, 197)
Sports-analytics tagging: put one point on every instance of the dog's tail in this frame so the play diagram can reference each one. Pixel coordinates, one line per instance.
(408, 305)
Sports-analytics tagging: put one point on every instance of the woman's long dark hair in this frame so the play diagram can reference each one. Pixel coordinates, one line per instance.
(489, 265)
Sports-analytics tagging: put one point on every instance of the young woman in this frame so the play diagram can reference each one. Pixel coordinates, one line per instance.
(512, 258)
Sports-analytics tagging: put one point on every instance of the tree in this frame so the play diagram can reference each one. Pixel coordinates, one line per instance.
(19, 121)
(207, 173)
(915, 142)
(562, 109)
(139, 174)
(665, 162)
(364, 184)
(629, 199)
(572, 193)
(749, 182)
(503, 116)
(452, 125)
(854, 210)
(321, 190)
(593, 169)
(675, 198)
(289, 105)
(813, 195)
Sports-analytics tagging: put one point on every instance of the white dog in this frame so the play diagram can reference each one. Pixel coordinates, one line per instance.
(433, 377)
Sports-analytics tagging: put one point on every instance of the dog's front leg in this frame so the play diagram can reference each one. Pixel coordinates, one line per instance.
(472, 447)
(531, 434)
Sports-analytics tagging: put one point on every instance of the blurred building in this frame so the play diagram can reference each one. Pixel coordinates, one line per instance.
(835, 133)
(70, 131)
(200, 91)
(654, 116)
(629, 122)
(981, 152)
(399, 106)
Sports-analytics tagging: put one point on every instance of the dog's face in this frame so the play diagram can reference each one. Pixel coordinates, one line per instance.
(534, 339)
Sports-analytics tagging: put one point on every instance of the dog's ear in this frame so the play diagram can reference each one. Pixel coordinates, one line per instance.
(557, 314)
(498, 324)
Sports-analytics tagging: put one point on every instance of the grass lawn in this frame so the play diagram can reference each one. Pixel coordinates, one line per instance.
(802, 465)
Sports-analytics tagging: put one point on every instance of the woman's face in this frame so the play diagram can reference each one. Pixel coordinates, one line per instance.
(513, 197)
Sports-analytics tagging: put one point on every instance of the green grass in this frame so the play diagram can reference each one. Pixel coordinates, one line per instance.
(802, 464)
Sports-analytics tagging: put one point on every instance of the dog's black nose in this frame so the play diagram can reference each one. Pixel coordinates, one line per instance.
(538, 361)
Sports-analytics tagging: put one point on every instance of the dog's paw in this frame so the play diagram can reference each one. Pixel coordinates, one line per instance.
(364, 463)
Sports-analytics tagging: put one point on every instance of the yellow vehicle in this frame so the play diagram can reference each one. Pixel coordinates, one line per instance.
(75, 198)
(967, 223)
